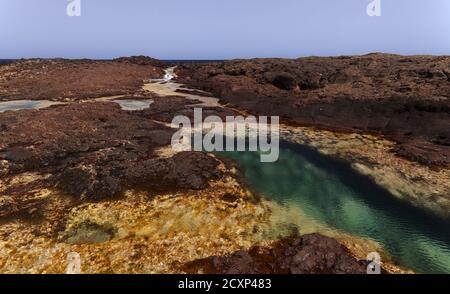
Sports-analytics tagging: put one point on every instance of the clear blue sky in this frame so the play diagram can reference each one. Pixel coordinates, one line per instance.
(220, 29)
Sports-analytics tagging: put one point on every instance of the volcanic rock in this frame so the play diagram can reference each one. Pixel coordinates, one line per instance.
(406, 99)
(308, 254)
(61, 79)
(282, 80)
(94, 150)
(140, 60)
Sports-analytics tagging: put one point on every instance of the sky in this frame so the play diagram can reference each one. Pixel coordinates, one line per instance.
(221, 29)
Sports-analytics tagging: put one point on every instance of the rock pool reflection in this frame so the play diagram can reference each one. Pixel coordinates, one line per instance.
(330, 192)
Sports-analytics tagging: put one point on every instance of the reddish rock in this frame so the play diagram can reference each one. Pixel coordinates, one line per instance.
(308, 254)
(406, 99)
(141, 60)
(94, 150)
(61, 79)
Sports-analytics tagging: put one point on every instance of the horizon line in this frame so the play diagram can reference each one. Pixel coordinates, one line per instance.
(222, 59)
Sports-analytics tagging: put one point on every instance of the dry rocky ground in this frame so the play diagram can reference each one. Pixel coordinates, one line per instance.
(67, 80)
(406, 99)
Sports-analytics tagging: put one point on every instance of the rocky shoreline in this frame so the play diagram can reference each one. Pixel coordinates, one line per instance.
(423, 186)
(403, 98)
(89, 177)
(388, 115)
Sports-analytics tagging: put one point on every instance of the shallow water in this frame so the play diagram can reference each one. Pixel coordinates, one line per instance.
(331, 193)
(167, 87)
(25, 104)
(129, 104)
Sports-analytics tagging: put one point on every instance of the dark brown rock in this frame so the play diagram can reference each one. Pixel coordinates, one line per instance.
(308, 254)
(282, 80)
(95, 150)
(140, 60)
(406, 99)
(61, 79)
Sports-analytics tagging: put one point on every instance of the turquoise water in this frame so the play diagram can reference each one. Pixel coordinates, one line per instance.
(331, 193)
